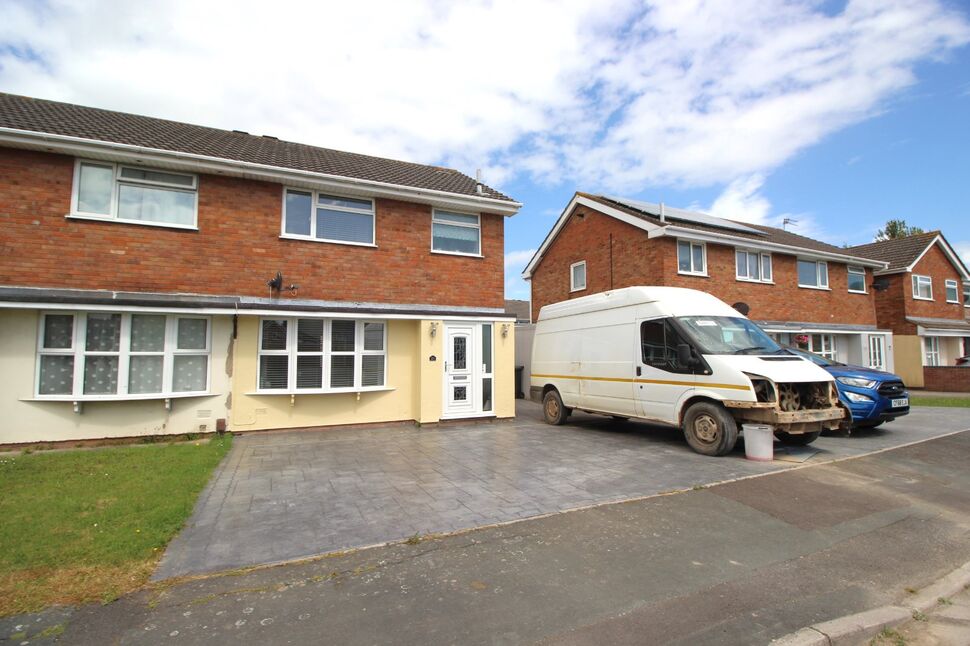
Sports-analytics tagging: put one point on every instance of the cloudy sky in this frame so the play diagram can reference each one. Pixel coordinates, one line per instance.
(837, 114)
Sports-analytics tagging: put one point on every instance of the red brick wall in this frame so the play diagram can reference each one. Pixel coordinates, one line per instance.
(891, 304)
(936, 265)
(947, 378)
(784, 300)
(236, 249)
(638, 260)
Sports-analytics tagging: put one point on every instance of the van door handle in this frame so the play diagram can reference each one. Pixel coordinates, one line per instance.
(639, 371)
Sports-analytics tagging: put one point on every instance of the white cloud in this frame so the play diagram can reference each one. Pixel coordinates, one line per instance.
(616, 95)
(963, 249)
(515, 262)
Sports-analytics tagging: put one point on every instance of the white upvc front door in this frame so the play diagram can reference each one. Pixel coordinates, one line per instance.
(467, 370)
(877, 352)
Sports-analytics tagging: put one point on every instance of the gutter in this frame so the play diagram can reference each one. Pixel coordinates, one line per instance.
(219, 165)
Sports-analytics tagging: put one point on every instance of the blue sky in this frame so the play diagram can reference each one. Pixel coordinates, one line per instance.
(839, 114)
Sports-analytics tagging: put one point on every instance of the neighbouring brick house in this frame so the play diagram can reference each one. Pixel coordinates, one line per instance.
(803, 292)
(924, 298)
(161, 277)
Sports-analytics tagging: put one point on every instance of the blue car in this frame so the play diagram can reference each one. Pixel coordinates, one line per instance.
(872, 396)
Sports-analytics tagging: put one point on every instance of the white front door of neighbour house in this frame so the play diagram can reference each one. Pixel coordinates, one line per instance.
(468, 376)
(877, 352)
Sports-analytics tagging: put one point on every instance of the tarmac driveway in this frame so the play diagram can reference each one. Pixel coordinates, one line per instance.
(287, 495)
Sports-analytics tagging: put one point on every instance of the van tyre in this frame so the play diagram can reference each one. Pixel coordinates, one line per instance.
(710, 429)
(553, 410)
(798, 439)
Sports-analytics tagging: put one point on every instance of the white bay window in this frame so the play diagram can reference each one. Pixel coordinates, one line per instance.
(135, 195)
(98, 355)
(321, 355)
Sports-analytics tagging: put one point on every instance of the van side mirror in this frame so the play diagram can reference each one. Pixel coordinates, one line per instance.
(684, 356)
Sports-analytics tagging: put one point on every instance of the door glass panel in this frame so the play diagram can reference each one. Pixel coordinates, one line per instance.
(487, 394)
(460, 358)
(461, 393)
(487, 348)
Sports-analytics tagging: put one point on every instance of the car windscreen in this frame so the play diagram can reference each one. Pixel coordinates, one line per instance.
(728, 335)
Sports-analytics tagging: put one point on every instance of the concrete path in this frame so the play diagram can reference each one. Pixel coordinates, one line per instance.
(284, 496)
(738, 563)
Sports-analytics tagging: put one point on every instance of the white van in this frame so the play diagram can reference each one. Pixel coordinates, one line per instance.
(677, 356)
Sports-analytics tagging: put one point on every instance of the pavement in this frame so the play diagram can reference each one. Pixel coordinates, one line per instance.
(291, 495)
(742, 562)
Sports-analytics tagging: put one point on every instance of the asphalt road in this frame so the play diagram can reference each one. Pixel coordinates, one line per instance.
(737, 563)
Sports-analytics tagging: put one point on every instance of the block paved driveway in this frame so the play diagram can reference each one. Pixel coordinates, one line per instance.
(287, 495)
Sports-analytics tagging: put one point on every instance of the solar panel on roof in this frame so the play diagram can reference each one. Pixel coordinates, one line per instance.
(685, 216)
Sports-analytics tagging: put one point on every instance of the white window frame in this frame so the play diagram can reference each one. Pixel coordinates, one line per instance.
(931, 351)
(124, 354)
(877, 352)
(966, 294)
(292, 324)
(919, 280)
(955, 286)
(829, 352)
(853, 270)
(315, 203)
(477, 225)
(821, 271)
(117, 181)
(693, 270)
(762, 258)
(573, 287)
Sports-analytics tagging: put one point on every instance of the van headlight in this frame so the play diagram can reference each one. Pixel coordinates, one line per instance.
(764, 389)
(857, 382)
(856, 398)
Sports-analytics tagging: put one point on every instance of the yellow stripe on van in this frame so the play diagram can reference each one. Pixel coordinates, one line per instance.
(647, 381)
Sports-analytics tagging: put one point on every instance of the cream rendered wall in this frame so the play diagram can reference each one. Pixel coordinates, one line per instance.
(49, 421)
(908, 359)
(252, 412)
(504, 370)
(428, 373)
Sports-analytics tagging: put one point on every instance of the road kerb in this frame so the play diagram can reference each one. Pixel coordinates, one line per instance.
(929, 597)
(803, 637)
(853, 628)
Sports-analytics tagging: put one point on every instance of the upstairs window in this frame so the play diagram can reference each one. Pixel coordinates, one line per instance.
(814, 274)
(952, 291)
(320, 355)
(922, 287)
(456, 233)
(966, 294)
(691, 258)
(577, 276)
(752, 266)
(857, 280)
(309, 215)
(111, 355)
(134, 194)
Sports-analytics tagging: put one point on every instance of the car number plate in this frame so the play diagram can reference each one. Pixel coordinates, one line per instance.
(899, 403)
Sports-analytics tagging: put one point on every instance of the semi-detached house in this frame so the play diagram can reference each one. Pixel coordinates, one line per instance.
(161, 277)
(803, 292)
(924, 298)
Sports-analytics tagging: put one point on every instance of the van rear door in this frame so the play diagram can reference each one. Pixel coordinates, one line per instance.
(662, 381)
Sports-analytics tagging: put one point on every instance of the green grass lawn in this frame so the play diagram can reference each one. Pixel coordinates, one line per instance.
(952, 402)
(88, 525)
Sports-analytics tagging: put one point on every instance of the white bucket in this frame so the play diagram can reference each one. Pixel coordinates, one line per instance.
(759, 442)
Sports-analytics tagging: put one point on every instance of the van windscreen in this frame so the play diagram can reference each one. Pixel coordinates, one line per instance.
(728, 335)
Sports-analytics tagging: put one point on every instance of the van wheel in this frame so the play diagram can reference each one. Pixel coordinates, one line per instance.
(710, 429)
(798, 439)
(553, 410)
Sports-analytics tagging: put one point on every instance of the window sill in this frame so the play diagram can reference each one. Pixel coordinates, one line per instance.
(577, 289)
(954, 303)
(112, 398)
(821, 289)
(140, 223)
(322, 391)
(923, 298)
(853, 291)
(692, 273)
(326, 241)
(757, 282)
(457, 253)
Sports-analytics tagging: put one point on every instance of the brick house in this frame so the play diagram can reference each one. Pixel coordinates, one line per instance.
(160, 277)
(803, 292)
(924, 298)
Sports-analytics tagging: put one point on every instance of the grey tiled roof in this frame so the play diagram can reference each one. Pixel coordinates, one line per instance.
(768, 234)
(521, 309)
(42, 116)
(899, 253)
